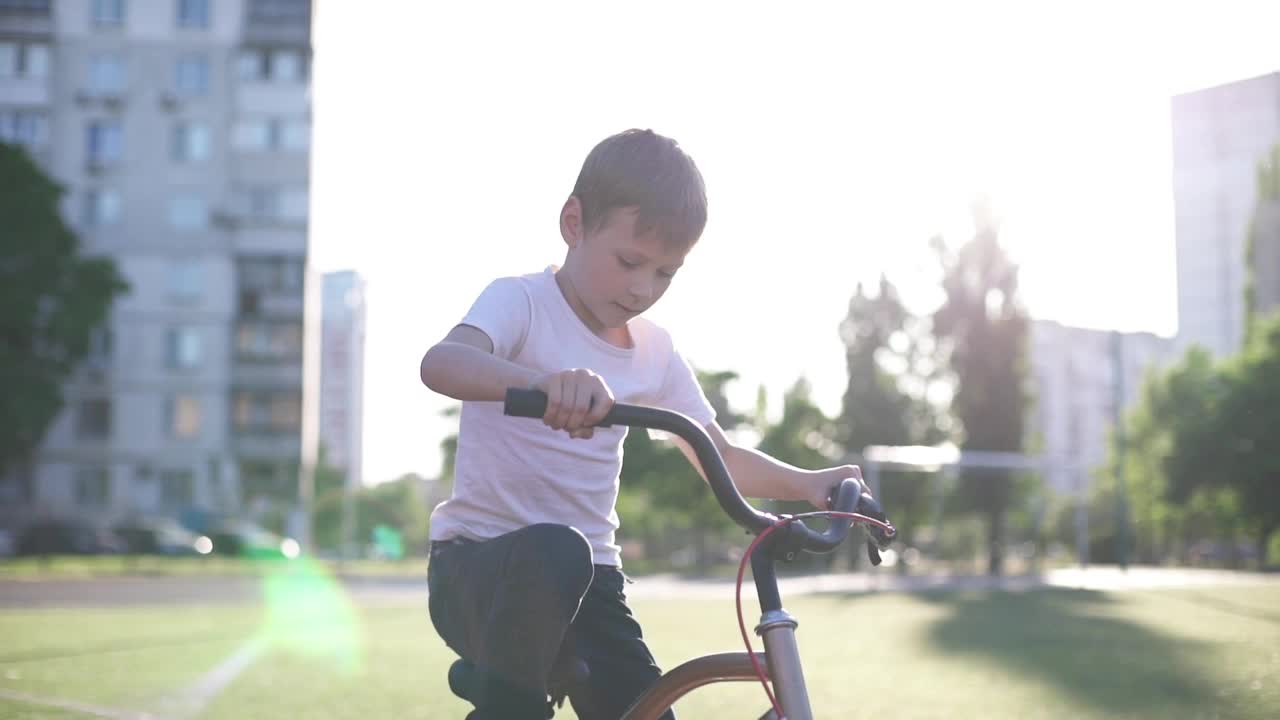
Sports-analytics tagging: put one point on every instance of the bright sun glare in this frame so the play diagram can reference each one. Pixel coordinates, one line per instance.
(835, 141)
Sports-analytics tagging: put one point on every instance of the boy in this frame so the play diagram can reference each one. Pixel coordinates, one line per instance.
(523, 559)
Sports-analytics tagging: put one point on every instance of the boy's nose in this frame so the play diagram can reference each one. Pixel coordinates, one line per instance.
(642, 291)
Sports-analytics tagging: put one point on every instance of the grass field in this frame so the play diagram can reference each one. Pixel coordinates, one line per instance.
(1193, 653)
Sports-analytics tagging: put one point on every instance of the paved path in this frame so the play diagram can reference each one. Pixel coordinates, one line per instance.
(126, 591)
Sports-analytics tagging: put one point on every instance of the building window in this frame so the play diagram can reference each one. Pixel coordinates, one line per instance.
(252, 135)
(274, 204)
(101, 207)
(186, 281)
(272, 134)
(10, 59)
(182, 416)
(107, 75)
(93, 486)
(191, 76)
(191, 142)
(278, 411)
(251, 65)
(176, 488)
(285, 66)
(193, 14)
(182, 349)
(93, 419)
(263, 203)
(29, 60)
(294, 205)
(296, 135)
(272, 274)
(188, 212)
(100, 348)
(25, 127)
(270, 341)
(277, 66)
(108, 13)
(37, 60)
(106, 142)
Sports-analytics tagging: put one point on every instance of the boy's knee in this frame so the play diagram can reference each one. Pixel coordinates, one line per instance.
(562, 552)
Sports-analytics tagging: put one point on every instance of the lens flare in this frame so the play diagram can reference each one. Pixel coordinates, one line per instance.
(308, 613)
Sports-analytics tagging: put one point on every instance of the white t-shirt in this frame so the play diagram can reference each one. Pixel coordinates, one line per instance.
(514, 472)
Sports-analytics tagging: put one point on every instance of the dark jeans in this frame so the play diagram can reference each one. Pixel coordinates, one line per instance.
(510, 604)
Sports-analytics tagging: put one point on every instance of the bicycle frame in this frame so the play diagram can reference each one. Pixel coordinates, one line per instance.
(781, 658)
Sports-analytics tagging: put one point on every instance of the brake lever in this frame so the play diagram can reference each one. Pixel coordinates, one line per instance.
(877, 538)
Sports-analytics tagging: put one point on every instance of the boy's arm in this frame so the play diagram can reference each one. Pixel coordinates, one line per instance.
(758, 475)
(464, 367)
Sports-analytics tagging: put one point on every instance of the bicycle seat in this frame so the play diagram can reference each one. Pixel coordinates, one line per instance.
(568, 673)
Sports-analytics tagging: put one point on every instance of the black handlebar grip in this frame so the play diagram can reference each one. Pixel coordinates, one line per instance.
(525, 403)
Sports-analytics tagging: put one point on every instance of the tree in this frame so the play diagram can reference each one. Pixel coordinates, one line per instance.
(1262, 250)
(51, 300)
(662, 496)
(1164, 431)
(398, 504)
(983, 329)
(1233, 444)
(891, 370)
(804, 436)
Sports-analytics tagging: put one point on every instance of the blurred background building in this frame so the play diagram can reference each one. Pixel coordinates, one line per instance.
(342, 374)
(1076, 391)
(1220, 135)
(180, 130)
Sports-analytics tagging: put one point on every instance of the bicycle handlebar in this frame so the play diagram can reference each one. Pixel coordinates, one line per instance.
(847, 497)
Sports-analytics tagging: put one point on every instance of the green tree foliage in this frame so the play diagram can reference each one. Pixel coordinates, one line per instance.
(1263, 227)
(1200, 453)
(51, 299)
(891, 367)
(983, 329)
(398, 504)
(1248, 428)
(663, 499)
(803, 436)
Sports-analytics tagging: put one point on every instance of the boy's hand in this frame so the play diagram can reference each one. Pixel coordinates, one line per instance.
(576, 400)
(832, 477)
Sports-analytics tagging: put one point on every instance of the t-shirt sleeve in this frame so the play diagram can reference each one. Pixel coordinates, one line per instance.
(682, 393)
(503, 312)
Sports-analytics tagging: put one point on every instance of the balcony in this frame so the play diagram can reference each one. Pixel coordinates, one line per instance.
(264, 98)
(278, 22)
(25, 91)
(275, 446)
(275, 374)
(26, 18)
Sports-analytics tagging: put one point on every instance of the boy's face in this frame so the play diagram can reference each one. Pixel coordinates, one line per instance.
(615, 275)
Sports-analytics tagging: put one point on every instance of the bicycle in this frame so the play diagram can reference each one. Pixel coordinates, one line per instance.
(777, 538)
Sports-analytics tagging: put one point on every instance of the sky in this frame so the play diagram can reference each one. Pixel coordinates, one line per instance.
(834, 139)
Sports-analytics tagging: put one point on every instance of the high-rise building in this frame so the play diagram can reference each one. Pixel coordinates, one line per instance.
(1220, 135)
(342, 374)
(181, 131)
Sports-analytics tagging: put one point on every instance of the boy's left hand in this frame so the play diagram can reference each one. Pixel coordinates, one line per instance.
(828, 479)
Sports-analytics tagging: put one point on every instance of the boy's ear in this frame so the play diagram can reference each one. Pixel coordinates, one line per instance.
(571, 221)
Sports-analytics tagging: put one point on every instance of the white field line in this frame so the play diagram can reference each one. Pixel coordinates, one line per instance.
(197, 696)
(77, 706)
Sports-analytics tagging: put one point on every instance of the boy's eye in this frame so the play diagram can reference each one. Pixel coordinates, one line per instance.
(627, 263)
(667, 275)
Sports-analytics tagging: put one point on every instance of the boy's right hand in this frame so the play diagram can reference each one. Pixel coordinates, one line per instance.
(576, 400)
